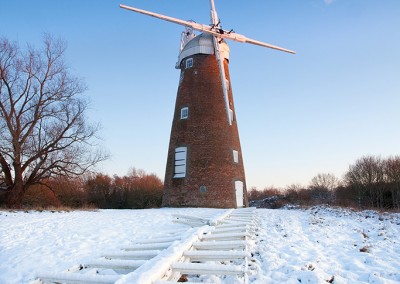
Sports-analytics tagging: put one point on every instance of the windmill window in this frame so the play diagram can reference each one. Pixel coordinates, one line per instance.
(189, 63)
(184, 113)
(235, 156)
(180, 162)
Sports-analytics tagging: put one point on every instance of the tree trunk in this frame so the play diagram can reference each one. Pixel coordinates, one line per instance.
(15, 196)
(396, 196)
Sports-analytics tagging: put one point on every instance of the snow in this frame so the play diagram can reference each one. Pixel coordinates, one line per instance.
(321, 244)
(35, 242)
(316, 245)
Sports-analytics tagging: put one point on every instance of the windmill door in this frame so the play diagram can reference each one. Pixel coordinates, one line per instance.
(239, 193)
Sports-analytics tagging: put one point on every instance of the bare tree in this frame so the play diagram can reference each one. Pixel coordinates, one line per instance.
(366, 170)
(323, 187)
(367, 176)
(324, 181)
(43, 129)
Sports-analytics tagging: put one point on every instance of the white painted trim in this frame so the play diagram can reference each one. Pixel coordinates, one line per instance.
(180, 162)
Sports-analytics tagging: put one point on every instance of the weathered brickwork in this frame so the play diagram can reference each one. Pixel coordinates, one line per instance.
(210, 170)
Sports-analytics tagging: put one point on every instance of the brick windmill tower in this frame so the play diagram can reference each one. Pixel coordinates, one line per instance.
(204, 163)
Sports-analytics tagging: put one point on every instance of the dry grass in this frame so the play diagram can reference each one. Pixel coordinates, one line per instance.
(365, 249)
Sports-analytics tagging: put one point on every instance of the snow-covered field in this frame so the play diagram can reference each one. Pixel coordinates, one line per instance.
(317, 245)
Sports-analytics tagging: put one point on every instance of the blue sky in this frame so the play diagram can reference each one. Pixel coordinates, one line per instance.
(315, 112)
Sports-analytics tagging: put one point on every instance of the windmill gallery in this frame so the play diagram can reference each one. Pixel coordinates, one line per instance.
(204, 164)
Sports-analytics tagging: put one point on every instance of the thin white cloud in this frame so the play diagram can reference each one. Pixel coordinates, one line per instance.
(327, 2)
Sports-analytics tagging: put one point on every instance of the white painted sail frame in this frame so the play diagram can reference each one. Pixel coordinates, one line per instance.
(207, 29)
(220, 59)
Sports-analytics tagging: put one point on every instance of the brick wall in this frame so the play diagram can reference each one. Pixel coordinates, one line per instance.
(211, 171)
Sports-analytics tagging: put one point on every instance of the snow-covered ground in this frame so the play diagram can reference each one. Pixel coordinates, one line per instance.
(317, 245)
(324, 244)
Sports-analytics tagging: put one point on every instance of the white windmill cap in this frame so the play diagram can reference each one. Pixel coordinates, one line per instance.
(202, 44)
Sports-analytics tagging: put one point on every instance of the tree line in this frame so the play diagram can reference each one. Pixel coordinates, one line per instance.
(370, 182)
(136, 190)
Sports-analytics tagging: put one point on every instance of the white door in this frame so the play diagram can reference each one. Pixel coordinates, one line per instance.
(239, 193)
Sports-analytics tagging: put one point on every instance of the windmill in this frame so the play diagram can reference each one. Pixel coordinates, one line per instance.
(204, 164)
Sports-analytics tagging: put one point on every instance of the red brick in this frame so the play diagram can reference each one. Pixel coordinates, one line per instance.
(209, 139)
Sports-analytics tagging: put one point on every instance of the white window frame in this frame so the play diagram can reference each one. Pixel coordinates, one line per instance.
(189, 63)
(180, 162)
(235, 156)
(184, 113)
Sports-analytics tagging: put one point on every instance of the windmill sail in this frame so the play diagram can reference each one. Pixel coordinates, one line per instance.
(207, 29)
(215, 23)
